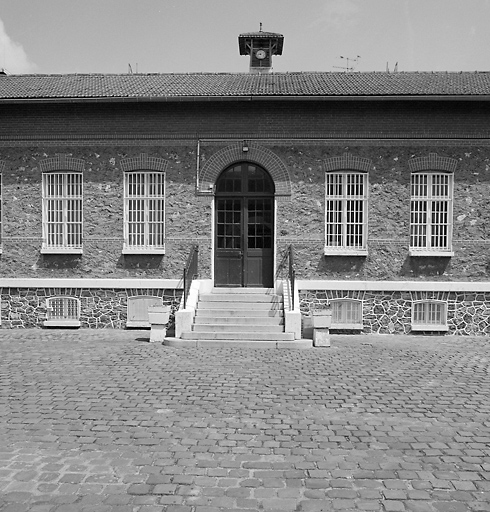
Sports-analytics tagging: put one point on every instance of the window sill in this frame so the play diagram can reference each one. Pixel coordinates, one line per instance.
(422, 327)
(343, 251)
(61, 250)
(144, 250)
(425, 253)
(61, 323)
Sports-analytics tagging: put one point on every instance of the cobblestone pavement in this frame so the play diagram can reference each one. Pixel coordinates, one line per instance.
(103, 421)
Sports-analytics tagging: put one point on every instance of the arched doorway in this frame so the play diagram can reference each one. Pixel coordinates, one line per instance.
(244, 230)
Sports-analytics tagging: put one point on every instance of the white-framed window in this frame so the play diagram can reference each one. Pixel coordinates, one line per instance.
(1, 212)
(346, 195)
(144, 212)
(62, 312)
(431, 214)
(62, 212)
(429, 315)
(346, 314)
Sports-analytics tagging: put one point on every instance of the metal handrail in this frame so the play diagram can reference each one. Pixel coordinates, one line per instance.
(190, 271)
(291, 274)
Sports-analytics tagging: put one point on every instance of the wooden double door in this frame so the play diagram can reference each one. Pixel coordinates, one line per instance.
(244, 217)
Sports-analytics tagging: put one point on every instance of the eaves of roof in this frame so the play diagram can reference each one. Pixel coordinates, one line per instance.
(204, 87)
(209, 99)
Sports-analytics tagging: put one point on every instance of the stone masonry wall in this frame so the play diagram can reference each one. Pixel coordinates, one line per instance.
(99, 308)
(300, 220)
(390, 312)
(187, 220)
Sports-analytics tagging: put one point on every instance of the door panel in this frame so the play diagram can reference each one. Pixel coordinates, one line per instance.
(244, 227)
(258, 251)
(229, 253)
(228, 268)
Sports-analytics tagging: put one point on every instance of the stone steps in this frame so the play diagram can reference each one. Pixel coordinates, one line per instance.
(240, 314)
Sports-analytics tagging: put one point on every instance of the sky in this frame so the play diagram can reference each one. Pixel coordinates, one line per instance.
(186, 36)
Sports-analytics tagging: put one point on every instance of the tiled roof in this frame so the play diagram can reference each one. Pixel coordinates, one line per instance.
(242, 85)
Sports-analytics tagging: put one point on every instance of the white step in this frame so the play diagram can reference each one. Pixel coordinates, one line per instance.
(239, 305)
(237, 327)
(244, 291)
(257, 336)
(236, 298)
(239, 313)
(238, 320)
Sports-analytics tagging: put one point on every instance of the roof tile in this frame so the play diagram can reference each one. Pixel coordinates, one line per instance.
(236, 85)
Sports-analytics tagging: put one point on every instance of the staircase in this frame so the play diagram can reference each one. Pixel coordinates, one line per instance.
(239, 314)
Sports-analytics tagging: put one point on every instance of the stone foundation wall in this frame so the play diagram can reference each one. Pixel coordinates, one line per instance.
(99, 308)
(390, 312)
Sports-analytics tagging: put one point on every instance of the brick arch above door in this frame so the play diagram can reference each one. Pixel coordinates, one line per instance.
(257, 154)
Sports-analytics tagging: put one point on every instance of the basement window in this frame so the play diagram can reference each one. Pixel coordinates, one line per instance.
(429, 315)
(346, 314)
(62, 312)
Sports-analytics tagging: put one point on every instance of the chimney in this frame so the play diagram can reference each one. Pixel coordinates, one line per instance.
(261, 46)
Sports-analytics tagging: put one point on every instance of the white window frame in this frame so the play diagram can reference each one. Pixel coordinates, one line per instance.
(62, 311)
(431, 213)
(1, 213)
(62, 197)
(346, 314)
(429, 315)
(345, 232)
(138, 222)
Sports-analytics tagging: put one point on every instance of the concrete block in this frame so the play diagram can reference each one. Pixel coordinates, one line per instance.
(321, 337)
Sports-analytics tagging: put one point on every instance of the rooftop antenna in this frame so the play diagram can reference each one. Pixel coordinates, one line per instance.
(260, 29)
(395, 69)
(349, 60)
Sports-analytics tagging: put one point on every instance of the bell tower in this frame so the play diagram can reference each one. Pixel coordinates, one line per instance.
(261, 46)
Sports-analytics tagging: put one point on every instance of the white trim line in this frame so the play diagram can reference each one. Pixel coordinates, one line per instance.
(414, 253)
(91, 283)
(344, 251)
(405, 286)
(144, 250)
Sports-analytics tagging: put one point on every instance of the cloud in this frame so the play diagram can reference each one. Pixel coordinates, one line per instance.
(339, 14)
(13, 57)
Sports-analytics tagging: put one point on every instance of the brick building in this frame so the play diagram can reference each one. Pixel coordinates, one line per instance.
(379, 182)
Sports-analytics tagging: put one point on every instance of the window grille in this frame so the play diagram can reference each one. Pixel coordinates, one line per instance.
(62, 311)
(431, 213)
(144, 211)
(345, 213)
(1, 212)
(429, 315)
(346, 314)
(62, 212)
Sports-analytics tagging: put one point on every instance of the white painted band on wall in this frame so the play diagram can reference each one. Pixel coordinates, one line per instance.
(404, 286)
(91, 283)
